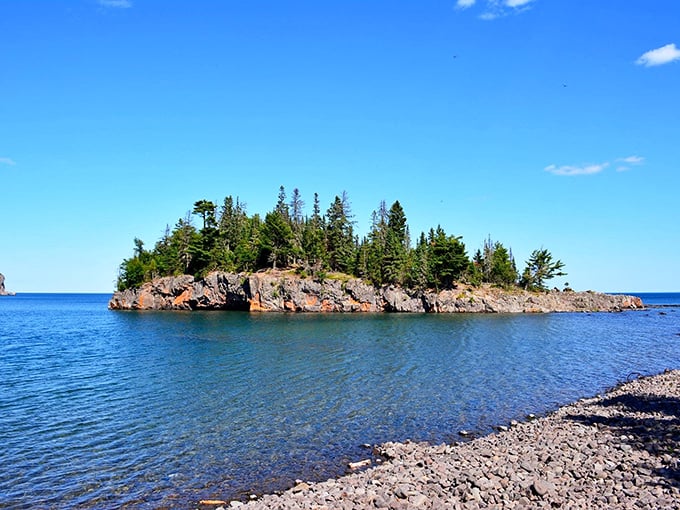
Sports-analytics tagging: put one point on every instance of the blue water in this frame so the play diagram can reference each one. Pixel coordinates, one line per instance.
(161, 409)
(659, 298)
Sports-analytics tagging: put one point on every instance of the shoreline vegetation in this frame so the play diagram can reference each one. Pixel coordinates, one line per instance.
(229, 240)
(617, 450)
(289, 261)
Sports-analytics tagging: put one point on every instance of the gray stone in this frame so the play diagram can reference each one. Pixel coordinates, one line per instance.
(283, 291)
(542, 487)
(4, 292)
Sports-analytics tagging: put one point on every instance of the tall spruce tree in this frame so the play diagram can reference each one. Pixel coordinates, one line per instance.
(447, 258)
(375, 246)
(396, 246)
(340, 242)
(275, 239)
(313, 239)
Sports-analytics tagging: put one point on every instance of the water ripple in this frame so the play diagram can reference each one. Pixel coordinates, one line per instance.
(142, 410)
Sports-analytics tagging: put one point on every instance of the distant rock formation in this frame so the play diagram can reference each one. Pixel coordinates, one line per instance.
(287, 292)
(3, 292)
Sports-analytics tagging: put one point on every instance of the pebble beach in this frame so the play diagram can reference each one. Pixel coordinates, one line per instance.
(618, 450)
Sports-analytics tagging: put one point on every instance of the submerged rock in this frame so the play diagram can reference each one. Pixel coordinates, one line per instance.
(287, 292)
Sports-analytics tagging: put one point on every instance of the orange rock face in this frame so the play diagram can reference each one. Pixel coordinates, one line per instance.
(256, 304)
(183, 298)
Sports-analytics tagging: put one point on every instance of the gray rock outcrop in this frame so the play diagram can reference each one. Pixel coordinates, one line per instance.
(3, 292)
(287, 292)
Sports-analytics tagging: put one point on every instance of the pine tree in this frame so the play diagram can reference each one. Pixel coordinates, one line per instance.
(447, 258)
(396, 245)
(340, 242)
(313, 239)
(275, 239)
(540, 267)
(376, 244)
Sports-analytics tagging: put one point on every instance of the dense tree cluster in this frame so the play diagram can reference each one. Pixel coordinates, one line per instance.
(227, 238)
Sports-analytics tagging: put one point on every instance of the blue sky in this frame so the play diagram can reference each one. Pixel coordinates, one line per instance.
(540, 123)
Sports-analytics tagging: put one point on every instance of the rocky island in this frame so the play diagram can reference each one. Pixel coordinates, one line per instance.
(286, 261)
(284, 291)
(4, 292)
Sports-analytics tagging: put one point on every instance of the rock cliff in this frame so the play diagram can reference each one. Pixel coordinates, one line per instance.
(3, 292)
(286, 292)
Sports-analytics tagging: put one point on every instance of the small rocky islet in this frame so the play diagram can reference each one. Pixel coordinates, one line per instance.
(618, 450)
(4, 292)
(282, 291)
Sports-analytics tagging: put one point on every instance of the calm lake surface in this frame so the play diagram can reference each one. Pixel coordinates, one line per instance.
(161, 409)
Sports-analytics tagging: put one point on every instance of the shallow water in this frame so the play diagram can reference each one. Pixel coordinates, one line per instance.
(150, 409)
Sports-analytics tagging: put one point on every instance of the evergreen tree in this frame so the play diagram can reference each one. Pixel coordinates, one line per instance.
(419, 275)
(447, 259)
(375, 246)
(540, 267)
(313, 239)
(233, 241)
(296, 206)
(185, 240)
(205, 209)
(503, 270)
(297, 225)
(233, 219)
(275, 239)
(282, 206)
(340, 242)
(246, 253)
(396, 246)
(166, 255)
(493, 264)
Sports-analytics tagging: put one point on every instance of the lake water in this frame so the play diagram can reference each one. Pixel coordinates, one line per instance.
(161, 409)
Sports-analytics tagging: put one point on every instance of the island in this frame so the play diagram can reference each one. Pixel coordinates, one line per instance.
(4, 292)
(292, 262)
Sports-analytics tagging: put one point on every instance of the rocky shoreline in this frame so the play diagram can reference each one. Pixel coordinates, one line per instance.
(287, 292)
(618, 451)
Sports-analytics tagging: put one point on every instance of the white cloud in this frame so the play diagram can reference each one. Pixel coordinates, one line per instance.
(517, 3)
(632, 160)
(493, 9)
(464, 4)
(576, 170)
(7, 161)
(659, 56)
(589, 169)
(488, 16)
(120, 4)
